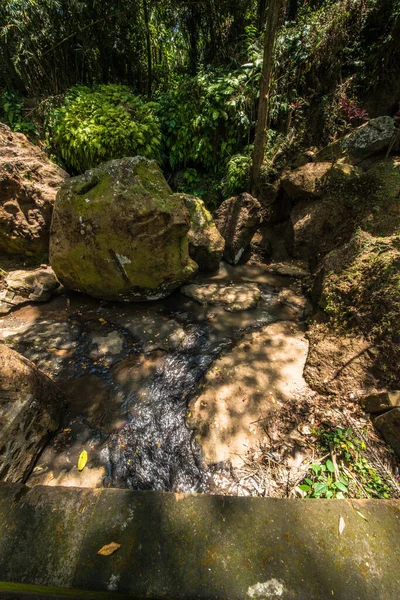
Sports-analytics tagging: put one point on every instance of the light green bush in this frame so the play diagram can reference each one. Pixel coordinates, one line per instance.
(100, 124)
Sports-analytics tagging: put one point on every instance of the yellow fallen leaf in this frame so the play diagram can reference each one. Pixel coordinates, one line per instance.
(83, 458)
(342, 525)
(109, 549)
(101, 320)
(361, 515)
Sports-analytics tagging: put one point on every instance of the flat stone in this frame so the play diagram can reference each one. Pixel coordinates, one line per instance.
(196, 546)
(107, 346)
(233, 298)
(42, 530)
(289, 270)
(388, 426)
(263, 370)
(21, 287)
(381, 401)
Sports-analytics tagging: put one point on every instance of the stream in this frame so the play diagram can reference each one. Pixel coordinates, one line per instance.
(128, 372)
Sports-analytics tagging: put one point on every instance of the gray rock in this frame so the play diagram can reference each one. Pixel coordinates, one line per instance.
(371, 138)
(30, 410)
(388, 426)
(233, 298)
(237, 220)
(22, 286)
(381, 401)
(368, 139)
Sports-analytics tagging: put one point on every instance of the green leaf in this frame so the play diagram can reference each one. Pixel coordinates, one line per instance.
(304, 488)
(341, 486)
(330, 466)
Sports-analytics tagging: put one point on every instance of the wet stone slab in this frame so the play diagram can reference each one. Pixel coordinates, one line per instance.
(179, 546)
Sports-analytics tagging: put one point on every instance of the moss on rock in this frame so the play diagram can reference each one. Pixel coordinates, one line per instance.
(206, 244)
(119, 233)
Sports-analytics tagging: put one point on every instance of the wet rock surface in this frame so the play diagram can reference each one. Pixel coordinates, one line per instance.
(128, 372)
(233, 298)
(243, 391)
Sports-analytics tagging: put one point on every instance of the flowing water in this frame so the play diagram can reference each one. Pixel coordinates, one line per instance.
(128, 372)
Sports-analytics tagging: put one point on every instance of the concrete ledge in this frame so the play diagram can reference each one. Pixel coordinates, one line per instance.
(192, 546)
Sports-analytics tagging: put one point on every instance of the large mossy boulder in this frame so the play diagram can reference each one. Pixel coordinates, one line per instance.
(206, 244)
(30, 411)
(28, 186)
(119, 233)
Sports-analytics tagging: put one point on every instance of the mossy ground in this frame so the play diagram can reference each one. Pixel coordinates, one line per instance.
(361, 286)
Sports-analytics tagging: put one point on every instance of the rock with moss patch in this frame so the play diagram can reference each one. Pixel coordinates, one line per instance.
(28, 187)
(118, 233)
(206, 244)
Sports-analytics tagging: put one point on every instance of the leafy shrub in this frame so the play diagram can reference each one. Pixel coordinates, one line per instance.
(206, 186)
(350, 476)
(206, 119)
(103, 123)
(238, 172)
(11, 111)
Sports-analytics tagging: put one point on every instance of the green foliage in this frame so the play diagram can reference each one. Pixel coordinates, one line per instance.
(206, 186)
(206, 119)
(11, 112)
(352, 477)
(238, 172)
(103, 123)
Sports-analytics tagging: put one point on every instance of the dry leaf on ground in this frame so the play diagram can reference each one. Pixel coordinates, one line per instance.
(109, 549)
(342, 525)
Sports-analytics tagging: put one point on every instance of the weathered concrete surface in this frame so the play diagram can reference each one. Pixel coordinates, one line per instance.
(175, 546)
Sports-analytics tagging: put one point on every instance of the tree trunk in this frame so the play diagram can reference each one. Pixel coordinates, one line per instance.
(273, 17)
(148, 47)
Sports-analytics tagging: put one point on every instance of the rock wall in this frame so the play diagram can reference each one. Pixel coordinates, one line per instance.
(28, 186)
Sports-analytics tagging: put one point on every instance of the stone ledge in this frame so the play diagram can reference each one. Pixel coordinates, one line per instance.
(195, 546)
